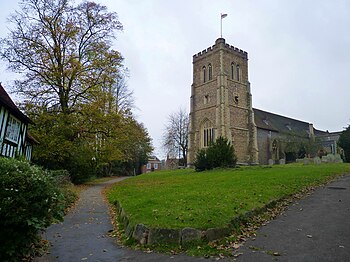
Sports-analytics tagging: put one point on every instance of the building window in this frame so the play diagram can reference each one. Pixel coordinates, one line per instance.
(204, 74)
(233, 71)
(155, 166)
(210, 72)
(12, 130)
(238, 73)
(148, 166)
(206, 99)
(208, 136)
(208, 133)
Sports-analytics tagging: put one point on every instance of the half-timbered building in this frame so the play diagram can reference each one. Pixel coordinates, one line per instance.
(14, 137)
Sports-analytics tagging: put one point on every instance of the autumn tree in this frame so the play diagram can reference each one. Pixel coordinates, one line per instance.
(74, 86)
(89, 142)
(64, 51)
(175, 136)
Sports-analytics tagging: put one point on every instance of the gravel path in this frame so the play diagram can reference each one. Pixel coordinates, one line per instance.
(83, 236)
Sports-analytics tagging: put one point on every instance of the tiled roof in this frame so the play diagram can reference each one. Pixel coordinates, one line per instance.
(153, 158)
(6, 100)
(277, 123)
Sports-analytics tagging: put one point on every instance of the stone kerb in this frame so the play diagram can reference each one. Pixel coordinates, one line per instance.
(152, 236)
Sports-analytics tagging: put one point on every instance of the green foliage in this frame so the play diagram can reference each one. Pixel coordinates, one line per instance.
(30, 200)
(63, 181)
(61, 146)
(219, 154)
(201, 163)
(297, 146)
(344, 143)
(88, 143)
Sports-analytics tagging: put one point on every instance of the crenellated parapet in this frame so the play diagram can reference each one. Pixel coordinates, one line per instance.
(220, 43)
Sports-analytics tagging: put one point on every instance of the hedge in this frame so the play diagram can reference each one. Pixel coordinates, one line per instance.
(30, 201)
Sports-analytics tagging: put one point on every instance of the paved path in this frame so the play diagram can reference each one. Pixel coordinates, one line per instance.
(316, 228)
(83, 236)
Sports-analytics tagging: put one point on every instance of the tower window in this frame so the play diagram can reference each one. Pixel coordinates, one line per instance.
(206, 99)
(210, 72)
(204, 74)
(208, 133)
(233, 71)
(238, 73)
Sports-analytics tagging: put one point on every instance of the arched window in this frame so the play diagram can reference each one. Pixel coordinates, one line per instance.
(208, 133)
(204, 74)
(210, 72)
(233, 71)
(238, 75)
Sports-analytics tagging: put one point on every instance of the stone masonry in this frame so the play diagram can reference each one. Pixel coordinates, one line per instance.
(221, 102)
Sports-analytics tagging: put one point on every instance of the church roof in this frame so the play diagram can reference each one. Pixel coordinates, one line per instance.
(7, 102)
(282, 124)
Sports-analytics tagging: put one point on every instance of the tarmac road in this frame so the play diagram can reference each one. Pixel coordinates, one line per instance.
(316, 228)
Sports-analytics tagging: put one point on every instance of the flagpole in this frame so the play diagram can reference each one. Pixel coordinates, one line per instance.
(221, 25)
(221, 17)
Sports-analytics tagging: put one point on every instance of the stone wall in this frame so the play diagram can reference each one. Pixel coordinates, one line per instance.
(265, 138)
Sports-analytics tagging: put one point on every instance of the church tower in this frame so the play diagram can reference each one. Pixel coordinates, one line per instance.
(221, 102)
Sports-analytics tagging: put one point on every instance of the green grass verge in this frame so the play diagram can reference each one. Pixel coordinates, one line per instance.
(185, 198)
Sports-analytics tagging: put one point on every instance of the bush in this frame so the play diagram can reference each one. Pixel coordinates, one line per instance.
(201, 162)
(63, 181)
(30, 201)
(219, 154)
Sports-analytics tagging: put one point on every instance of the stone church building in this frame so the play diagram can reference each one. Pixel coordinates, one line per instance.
(221, 105)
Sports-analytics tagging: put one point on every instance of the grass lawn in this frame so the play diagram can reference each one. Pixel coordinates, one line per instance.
(202, 200)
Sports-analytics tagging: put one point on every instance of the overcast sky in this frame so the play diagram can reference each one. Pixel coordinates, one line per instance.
(299, 54)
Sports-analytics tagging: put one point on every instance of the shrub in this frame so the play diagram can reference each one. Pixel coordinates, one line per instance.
(201, 162)
(219, 154)
(63, 181)
(30, 201)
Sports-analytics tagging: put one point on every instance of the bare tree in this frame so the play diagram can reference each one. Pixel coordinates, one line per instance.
(175, 137)
(124, 97)
(64, 51)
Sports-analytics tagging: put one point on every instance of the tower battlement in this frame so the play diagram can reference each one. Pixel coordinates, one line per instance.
(220, 42)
